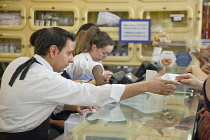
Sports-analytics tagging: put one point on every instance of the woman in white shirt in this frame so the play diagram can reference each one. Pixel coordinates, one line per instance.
(92, 46)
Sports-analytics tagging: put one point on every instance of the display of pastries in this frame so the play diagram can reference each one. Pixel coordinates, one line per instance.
(165, 119)
(162, 38)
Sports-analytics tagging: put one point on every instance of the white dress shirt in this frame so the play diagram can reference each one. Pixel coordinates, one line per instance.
(82, 67)
(29, 102)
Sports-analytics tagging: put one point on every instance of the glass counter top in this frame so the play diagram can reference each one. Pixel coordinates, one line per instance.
(143, 117)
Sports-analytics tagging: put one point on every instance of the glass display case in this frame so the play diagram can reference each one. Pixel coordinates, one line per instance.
(169, 18)
(107, 18)
(12, 46)
(12, 17)
(141, 117)
(177, 44)
(61, 16)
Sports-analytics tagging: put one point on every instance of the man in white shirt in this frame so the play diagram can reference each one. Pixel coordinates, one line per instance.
(29, 96)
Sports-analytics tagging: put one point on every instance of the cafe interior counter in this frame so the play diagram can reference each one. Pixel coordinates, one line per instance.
(143, 117)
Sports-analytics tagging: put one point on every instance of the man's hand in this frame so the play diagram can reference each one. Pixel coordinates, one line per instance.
(80, 108)
(160, 86)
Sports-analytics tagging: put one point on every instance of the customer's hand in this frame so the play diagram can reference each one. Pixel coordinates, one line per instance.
(197, 54)
(201, 112)
(190, 81)
(206, 68)
(188, 69)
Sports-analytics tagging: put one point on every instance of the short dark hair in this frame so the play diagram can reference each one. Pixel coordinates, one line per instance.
(44, 38)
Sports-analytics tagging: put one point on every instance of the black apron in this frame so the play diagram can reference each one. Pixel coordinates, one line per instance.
(38, 133)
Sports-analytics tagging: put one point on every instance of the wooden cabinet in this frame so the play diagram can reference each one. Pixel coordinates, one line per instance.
(180, 19)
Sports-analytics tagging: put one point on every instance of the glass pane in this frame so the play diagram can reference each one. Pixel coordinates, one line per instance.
(8, 45)
(109, 21)
(120, 49)
(51, 18)
(167, 18)
(147, 49)
(175, 46)
(10, 17)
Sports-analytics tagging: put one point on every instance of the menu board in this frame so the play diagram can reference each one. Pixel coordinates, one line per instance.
(135, 30)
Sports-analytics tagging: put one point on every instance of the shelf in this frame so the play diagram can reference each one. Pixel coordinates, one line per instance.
(172, 43)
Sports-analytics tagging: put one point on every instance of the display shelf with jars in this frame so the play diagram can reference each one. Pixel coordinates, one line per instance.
(12, 46)
(66, 17)
(12, 17)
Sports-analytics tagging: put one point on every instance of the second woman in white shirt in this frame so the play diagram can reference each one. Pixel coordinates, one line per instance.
(92, 46)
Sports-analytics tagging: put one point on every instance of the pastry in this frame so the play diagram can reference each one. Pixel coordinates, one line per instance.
(166, 61)
(162, 38)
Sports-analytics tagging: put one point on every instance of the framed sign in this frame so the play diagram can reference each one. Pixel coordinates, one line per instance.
(135, 30)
